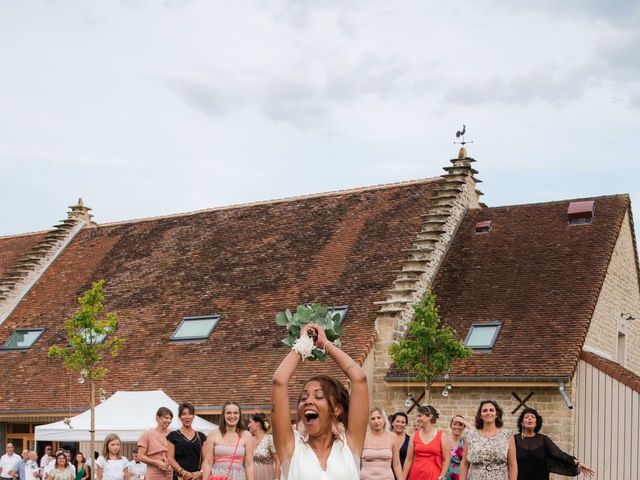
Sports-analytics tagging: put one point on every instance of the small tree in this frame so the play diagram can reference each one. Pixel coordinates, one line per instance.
(430, 347)
(90, 333)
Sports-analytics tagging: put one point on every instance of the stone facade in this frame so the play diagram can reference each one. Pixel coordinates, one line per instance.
(620, 295)
(419, 270)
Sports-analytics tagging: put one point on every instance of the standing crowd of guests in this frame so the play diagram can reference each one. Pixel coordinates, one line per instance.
(336, 437)
(482, 450)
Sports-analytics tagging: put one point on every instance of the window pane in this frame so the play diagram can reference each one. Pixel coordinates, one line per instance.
(481, 336)
(23, 338)
(195, 328)
(91, 337)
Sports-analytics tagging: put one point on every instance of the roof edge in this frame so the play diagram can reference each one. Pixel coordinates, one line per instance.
(613, 369)
(332, 193)
(603, 277)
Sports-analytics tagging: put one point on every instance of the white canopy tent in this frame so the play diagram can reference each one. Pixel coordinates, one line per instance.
(127, 414)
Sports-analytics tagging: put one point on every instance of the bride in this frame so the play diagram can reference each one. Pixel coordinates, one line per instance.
(332, 423)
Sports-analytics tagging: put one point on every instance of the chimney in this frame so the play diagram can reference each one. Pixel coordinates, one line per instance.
(80, 212)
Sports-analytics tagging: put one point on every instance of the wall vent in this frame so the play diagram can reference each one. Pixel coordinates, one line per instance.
(484, 227)
(580, 213)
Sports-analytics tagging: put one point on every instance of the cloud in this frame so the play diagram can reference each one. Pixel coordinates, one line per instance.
(205, 96)
(303, 100)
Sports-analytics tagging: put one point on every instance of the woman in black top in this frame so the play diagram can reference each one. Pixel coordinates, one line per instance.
(184, 446)
(537, 455)
(399, 422)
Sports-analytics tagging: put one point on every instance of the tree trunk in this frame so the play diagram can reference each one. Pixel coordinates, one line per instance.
(92, 430)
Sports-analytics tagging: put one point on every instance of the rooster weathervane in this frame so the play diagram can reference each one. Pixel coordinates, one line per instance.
(460, 135)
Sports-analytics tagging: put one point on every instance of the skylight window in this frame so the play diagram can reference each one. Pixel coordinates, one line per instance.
(195, 328)
(482, 336)
(342, 310)
(92, 337)
(23, 338)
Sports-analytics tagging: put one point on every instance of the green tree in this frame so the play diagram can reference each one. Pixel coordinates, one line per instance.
(430, 346)
(90, 334)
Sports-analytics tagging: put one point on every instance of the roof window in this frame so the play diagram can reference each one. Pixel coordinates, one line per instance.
(342, 310)
(580, 213)
(23, 338)
(484, 227)
(482, 336)
(91, 337)
(195, 328)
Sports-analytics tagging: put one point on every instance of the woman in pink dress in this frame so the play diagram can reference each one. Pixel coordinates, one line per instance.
(153, 447)
(228, 451)
(380, 457)
(428, 456)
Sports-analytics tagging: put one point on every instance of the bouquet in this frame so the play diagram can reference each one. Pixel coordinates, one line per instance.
(323, 316)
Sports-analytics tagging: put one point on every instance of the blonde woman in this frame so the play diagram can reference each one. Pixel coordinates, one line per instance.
(380, 455)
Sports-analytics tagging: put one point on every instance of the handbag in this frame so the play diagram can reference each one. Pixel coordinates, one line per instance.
(233, 457)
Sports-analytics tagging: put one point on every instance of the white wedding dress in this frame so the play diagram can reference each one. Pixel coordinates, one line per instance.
(304, 464)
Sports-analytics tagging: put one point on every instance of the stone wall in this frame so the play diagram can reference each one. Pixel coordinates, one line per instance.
(620, 294)
(390, 325)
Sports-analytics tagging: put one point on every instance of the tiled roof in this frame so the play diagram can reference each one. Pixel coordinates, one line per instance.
(13, 247)
(613, 369)
(536, 274)
(244, 263)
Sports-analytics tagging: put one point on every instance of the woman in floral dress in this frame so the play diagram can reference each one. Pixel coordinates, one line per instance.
(266, 464)
(489, 451)
(457, 425)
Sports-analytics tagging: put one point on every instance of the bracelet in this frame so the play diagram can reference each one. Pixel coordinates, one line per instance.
(352, 365)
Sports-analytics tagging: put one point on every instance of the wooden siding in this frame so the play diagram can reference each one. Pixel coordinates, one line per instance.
(607, 425)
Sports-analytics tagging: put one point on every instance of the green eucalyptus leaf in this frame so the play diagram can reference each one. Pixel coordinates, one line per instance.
(319, 355)
(281, 319)
(287, 312)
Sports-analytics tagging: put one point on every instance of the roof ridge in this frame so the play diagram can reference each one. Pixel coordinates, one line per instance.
(381, 186)
(24, 234)
(552, 202)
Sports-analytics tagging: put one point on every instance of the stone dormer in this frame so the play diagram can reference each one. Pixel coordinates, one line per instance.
(453, 196)
(25, 272)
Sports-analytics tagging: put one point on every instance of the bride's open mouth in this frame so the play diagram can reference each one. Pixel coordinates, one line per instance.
(310, 417)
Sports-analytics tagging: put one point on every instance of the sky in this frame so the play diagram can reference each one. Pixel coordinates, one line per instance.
(150, 107)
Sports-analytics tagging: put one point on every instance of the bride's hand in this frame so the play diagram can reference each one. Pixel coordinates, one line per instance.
(317, 333)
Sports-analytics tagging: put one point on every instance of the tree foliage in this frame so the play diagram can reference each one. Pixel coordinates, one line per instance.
(90, 334)
(430, 347)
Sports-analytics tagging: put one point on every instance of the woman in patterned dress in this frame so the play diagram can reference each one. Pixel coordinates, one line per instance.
(489, 451)
(457, 425)
(266, 464)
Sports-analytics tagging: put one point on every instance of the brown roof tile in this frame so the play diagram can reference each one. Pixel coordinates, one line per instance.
(244, 263)
(534, 273)
(13, 247)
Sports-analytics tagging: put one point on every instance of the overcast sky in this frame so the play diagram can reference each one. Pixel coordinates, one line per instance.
(149, 107)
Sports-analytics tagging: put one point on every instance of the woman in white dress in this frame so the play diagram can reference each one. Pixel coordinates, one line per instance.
(332, 424)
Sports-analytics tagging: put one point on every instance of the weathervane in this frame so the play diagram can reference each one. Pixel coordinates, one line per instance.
(460, 134)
